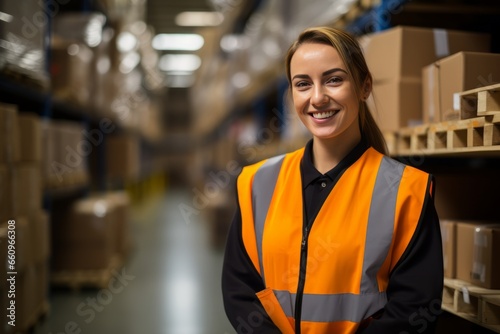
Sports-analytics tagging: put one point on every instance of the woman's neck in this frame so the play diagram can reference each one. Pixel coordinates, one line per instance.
(327, 153)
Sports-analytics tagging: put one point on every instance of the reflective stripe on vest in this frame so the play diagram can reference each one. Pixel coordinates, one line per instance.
(262, 192)
(345, 306)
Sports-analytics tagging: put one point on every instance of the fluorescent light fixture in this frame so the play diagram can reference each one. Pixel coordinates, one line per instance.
(179, 42)
(6, 17)
(179, 63)
(199, 19)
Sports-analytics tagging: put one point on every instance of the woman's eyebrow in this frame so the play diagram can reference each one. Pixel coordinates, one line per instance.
(333, 70)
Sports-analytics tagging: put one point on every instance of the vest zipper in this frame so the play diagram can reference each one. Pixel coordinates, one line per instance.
(302, 279)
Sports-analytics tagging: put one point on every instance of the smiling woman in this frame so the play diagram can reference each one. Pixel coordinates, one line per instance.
(335, 237)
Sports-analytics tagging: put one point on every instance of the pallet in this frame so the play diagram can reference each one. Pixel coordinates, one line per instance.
(479, 134)
(476, 304)
(77, 279)
(483, 101)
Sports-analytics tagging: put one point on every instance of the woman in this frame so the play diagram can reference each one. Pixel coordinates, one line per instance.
(335, 237)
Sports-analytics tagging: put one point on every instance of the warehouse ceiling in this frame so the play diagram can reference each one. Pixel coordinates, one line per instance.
(161, 13)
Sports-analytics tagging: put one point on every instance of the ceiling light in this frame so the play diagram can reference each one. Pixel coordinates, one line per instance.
(199, 19)
(183, 42)
(179, 63)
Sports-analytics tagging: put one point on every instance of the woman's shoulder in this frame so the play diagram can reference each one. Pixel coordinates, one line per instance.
(409, 165)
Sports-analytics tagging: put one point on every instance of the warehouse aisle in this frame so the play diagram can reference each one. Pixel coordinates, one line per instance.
(170, 284)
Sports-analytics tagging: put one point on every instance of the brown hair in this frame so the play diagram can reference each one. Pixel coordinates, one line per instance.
(352, 56)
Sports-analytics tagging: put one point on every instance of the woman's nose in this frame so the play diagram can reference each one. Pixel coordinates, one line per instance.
(319, 96)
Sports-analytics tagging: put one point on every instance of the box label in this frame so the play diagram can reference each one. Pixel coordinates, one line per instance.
(441, 43)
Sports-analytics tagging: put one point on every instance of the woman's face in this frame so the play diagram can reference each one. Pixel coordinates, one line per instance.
(323, 95)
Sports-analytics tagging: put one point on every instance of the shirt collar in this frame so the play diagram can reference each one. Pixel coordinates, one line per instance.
(310, 173)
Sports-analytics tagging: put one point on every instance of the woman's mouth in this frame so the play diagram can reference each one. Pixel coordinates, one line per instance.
(324, 114)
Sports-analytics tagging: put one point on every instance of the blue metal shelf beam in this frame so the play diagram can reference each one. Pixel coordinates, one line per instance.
(378, 18)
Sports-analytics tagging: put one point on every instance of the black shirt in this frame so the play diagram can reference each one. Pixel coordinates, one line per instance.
(316, 186)
(414, 297)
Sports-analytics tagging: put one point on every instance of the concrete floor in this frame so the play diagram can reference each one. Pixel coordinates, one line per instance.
(169, 284)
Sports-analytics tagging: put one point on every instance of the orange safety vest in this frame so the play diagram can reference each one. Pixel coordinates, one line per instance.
(358, 236)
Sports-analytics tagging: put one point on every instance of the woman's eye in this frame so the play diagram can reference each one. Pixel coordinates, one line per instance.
(301, 84)
(335, 80)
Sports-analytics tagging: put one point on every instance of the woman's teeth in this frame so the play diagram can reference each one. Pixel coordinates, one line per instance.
(321, 115)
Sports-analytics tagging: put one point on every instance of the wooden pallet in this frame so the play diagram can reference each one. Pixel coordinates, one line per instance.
(473, 303)
(484, 101)
(479, 134)
(77, 279)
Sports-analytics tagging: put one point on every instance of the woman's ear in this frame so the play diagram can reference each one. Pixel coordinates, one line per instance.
(367, 88)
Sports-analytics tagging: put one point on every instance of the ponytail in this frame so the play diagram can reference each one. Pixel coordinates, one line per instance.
(370, 130)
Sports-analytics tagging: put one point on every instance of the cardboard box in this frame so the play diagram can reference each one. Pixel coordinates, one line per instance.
(65, 154)
(48, 151)
(84, 237)
(485, 269)
(21, 190)
(9, 134)
(29, 190)
(121, 202)
(30, 133)
(396, 103)
(70, 71)
(403, 51)
(448, 234)
(3, 252)
(465, 243)
(123, 157)
(464, 71)
(478, 248)
(40, 235)
(8, 191)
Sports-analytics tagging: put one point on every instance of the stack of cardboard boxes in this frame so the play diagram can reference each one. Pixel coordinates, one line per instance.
(65, 154)
(396, 58)
(92, 234)
(444, 79)
(470, 251)
(21, 198)
(123, 157)
(417, 75)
